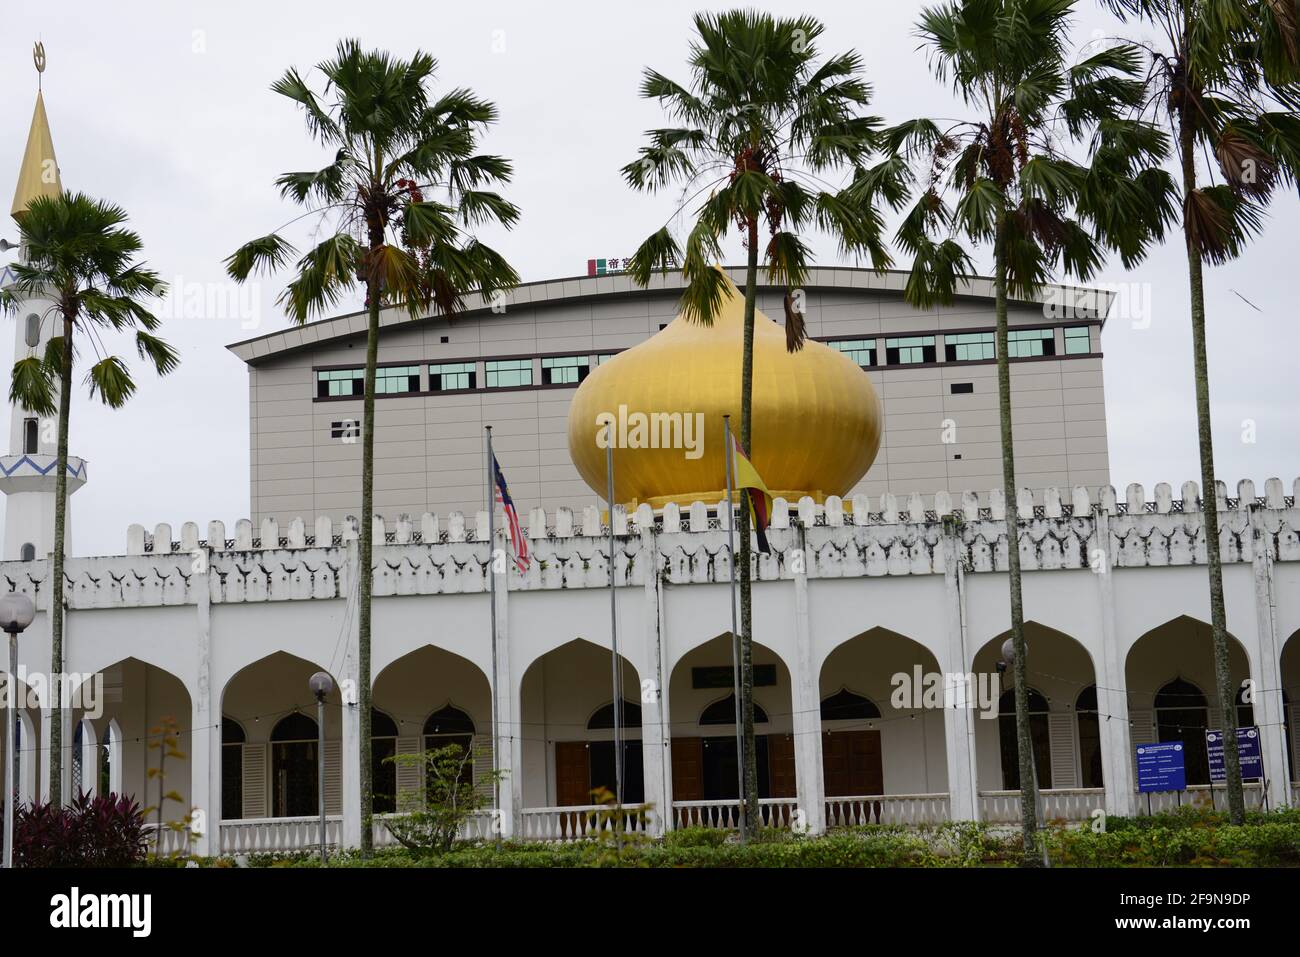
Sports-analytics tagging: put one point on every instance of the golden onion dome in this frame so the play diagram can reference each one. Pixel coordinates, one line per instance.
(816, 418)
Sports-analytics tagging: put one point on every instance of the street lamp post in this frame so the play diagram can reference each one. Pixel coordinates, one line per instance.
(321, 684)
(16, 613)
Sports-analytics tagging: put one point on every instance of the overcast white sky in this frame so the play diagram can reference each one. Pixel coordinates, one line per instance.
(164, 107)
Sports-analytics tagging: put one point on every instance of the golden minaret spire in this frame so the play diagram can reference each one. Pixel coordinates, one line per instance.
(39, 173)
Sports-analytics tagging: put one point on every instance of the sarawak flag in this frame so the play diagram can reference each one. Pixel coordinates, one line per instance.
(517, 538)
(760, 499)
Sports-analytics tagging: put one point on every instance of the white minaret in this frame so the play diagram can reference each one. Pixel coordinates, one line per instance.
(27, 472)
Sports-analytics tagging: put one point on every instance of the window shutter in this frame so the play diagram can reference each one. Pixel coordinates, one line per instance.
(1295, 742)
(1060, 736)
(1141, 731)
(333, 777)
(409, 780)
(481, 744)
(254, 795)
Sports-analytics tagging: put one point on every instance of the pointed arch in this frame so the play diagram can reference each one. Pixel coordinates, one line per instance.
(846, 705)
(723, 711)
(603, 717)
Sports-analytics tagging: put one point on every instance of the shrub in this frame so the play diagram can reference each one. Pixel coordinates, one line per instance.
(697, 837)
(448, 798)
(104, 831)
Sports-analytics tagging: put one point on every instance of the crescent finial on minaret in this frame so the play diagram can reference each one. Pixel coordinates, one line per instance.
(38, 57)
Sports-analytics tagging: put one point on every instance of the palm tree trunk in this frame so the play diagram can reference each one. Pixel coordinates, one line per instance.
(1209, 497)
(366, 564)
(56, 591)
(750, 797)
(1024, 740)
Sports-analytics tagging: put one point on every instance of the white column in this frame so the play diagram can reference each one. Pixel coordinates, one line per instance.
(350, 714)
(655, 745)
(205, 739)
(1270, 712)
(47, 729)
(509, 745)
(1112, 686)
(809, 783)
(958, 729)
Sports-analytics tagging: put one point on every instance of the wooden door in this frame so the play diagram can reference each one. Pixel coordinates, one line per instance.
(852, 763)
(572, 785)
(780, 766)
(688, 769)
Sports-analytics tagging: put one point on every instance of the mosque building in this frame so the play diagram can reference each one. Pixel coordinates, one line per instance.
(879, 612)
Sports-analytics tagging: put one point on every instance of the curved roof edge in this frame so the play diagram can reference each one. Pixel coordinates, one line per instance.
(576, 288)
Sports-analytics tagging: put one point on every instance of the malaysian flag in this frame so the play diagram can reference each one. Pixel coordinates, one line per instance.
(512, 517)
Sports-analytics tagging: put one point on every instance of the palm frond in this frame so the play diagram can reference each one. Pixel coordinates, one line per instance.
(32, 387)
(265, 254)
(658, 253)
(162, 356)
(110, 379)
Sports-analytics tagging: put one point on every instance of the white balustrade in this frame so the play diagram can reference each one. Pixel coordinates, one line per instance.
(1057, 804)
(725, 814)
(575, 823)
(164, 840)
(1199, 795)
(477, 827)
(886, 809)
(261, 835)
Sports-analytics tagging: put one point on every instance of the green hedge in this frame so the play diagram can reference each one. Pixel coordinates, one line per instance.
(1188, 838)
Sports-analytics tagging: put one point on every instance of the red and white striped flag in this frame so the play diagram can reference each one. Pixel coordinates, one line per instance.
(517, 538)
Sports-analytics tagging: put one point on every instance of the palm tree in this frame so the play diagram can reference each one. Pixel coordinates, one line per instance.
(763, 125)
(1002, 179)
(78, 257)
(392, 144)
(1224, 79)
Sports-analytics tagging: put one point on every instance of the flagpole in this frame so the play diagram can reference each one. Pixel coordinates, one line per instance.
(492, 592)
(735, 652)
(615, 663)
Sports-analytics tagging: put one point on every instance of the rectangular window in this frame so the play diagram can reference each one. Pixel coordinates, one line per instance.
(909, 350)
(962, 388)
(31, 430)
(509, 373)
(453, 376)
(968, 346)
(345, 429)
(397, 380)
(1078, 340)
(604, 357)
(861, 351)
(565, 370)
(1024, 343)
(339, 382)
(720, 676)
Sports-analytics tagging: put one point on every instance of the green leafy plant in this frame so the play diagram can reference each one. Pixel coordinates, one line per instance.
(449, 797)
(165, 738)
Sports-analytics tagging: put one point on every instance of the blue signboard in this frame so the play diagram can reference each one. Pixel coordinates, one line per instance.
(1252, 764)
(1160, 767)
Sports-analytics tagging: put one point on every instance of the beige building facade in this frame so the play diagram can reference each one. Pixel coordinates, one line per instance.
(515, 364)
